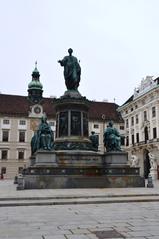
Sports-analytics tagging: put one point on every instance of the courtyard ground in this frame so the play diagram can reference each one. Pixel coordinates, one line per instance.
(81, 218)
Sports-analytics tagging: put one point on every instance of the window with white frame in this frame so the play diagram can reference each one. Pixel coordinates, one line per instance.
(6, 121)
(145, 115)
(22, 122)
(96, 126)
(5, 135)
(21, 136)
(127, 140)
(127, 123)
(21, 154)
(155, 133)
(4, 154)
(52, 123)
(137, 119)
(153, 111)
(3, 170)
(137, 137)
(121, 127)
(132, 121)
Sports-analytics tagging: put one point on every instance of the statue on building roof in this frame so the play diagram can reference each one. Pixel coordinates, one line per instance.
(112, 138)
(72, 71)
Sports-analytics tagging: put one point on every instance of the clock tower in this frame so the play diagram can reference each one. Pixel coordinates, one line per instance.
(35, 87)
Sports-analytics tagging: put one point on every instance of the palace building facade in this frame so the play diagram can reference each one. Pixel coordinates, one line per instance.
(141, 120)
(20, 116)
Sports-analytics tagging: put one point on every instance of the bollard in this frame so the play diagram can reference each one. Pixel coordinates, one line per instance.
(150, 182)
(16, 179)
(20, 183)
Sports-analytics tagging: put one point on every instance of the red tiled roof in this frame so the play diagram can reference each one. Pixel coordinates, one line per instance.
(104, 110)
(15, 105)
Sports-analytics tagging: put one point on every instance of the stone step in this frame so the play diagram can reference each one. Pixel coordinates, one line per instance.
(78, 200)
(77, 196)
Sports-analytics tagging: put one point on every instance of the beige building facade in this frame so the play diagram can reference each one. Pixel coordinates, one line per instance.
(141, 119)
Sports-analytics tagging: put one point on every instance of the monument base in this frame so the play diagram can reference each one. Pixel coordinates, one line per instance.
(81, 181)
(81, 169)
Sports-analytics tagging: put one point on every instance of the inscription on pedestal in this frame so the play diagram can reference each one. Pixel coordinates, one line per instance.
(45, 158)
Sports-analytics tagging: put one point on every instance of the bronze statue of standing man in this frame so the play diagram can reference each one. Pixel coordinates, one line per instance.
(72, 71)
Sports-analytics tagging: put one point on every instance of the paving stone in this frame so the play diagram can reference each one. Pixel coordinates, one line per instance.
(80, 231)
(139, 233)
(101, 229)
(108, 234)
(53, 237)
(77, 237)
(92, 236)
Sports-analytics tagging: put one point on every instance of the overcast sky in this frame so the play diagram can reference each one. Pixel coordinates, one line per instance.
(116, 41)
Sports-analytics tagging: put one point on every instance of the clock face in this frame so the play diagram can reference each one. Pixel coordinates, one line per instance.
(37, 109)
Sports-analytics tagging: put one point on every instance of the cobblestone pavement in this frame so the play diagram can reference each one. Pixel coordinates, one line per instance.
(117, 220)
(89, 221)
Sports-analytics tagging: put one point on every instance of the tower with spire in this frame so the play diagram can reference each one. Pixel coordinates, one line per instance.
(35, 88)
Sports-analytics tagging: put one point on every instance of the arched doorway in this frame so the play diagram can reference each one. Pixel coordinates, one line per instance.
(146, 163)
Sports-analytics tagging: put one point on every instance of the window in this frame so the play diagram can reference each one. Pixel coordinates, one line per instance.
(4, 154)
(122, 127)
(22, 122)
(3, 170)
(145, 116)
(96, 126)
(146, 134)
(20, 169)
(5, 135)
(127, 140)
(21, 136)
(51, 123)
(6, 121)
(122, 140)
(137, 137)
(132, 109)
(132, 139)
(127, 123)
(137, 119)
(126, 112)
(136, 106)
(132, 121)
(154, 133)
(21, 154)
(154, 111)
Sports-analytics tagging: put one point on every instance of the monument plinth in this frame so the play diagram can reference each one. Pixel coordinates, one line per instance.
(72, 159)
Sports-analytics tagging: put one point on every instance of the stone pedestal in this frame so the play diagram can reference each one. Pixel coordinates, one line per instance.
(153, 173)
(81, 169)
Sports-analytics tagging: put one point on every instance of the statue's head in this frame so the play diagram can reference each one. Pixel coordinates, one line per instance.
(110, 124)
(43, 118)
(70, 51)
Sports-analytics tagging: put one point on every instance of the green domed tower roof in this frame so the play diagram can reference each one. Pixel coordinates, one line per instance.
(35, 87)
